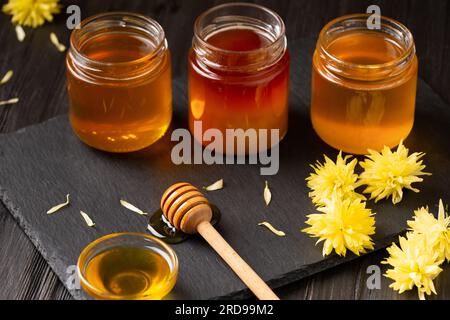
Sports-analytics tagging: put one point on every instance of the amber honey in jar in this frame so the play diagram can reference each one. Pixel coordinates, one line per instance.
(363, 84)
(239, 70)
(119, 82)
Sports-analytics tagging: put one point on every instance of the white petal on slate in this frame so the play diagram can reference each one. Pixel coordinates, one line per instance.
(215, 186)
(131, 207)
(59, 206)
(86, 218)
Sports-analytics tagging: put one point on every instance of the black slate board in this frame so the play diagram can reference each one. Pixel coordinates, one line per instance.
(40, 164)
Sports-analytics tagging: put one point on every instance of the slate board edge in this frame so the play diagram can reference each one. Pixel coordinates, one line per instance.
(319, 267)
(274, 283)
(23, 224)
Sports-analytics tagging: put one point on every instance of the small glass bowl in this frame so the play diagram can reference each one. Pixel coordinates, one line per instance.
(127, 240)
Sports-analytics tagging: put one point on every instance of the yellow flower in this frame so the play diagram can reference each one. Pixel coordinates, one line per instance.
(387, 173)
(31, 13)
(413, 265)
(437, 231)
(343, 224)
(333, 177)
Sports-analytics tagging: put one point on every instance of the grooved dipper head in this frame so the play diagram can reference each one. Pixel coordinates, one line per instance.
(185, 207)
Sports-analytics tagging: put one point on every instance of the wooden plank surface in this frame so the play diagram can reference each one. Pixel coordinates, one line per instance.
(40, 78)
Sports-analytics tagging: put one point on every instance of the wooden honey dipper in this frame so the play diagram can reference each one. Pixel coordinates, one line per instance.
(188, 210)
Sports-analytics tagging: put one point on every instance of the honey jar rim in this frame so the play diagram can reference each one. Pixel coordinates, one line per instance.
(279, 38)
(84, 259)
(161, 44)
(408, 52)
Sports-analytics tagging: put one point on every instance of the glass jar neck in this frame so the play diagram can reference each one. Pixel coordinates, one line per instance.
(126, 24)
(357, 23)
(258, 19)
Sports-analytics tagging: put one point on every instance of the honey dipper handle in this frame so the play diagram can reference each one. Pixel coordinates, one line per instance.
(239, 266)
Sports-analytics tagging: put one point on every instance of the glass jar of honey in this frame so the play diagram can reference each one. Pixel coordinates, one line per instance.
(363, 84)
(119, 82)
(239, 70)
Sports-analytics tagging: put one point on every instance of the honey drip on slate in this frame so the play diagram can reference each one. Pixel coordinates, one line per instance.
(159, 227)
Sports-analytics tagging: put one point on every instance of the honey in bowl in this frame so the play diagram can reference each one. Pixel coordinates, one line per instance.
(363, 84)
(127, 266)
(130, 272)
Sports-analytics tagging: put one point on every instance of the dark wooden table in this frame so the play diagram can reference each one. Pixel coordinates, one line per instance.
(39, 82)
